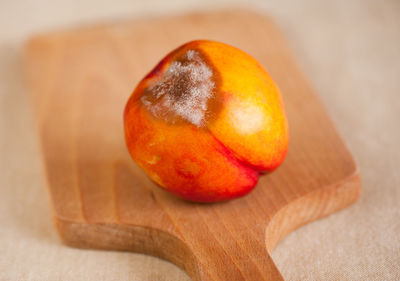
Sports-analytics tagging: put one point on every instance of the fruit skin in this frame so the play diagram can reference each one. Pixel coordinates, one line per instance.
(238, 127)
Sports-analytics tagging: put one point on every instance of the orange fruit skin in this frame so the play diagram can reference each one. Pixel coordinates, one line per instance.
(242, 133)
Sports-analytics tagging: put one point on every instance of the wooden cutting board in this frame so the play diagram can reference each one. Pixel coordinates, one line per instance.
(80, 80)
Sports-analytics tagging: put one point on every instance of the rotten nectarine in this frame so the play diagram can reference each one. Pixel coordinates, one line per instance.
(206, 121)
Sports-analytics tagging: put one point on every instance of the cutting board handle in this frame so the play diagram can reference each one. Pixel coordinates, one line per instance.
(236, 261)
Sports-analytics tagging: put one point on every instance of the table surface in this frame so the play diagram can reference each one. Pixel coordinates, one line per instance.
(348, 50)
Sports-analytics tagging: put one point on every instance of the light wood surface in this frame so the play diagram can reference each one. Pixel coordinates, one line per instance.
(81, 79)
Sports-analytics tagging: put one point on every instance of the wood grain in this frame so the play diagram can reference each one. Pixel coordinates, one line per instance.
(80, 80)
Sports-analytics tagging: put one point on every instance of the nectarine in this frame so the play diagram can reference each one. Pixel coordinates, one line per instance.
(206, 121)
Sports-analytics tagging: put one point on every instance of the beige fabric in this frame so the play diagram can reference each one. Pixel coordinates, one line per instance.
(350, 52)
